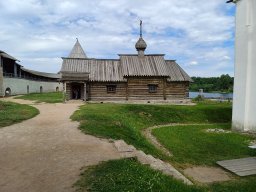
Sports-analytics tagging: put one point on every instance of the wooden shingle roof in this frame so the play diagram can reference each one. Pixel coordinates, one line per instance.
(148, 65)
(106, 70)
(176, 73)
(77, 51)
(113, 70)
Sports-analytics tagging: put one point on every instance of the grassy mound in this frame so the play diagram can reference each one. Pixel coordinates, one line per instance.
(191, 145)
(126, 121)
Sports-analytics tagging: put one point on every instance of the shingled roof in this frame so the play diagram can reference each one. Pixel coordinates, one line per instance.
(147, 65)
(77, 51)
(117, 70)
(110, 70)
(42, 74)
(107, 70)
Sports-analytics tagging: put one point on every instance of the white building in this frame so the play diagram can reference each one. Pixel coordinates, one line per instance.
(15, 79)
(244, 103)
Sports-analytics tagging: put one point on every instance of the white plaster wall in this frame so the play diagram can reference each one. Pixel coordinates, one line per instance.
(244, 101)
(19, 86)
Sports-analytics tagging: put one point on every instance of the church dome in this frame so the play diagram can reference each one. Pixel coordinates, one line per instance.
(141, 44)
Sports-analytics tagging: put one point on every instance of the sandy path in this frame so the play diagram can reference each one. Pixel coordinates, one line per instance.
(47, 152)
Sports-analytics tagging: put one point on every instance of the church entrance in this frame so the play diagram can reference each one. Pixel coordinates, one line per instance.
(76, 91)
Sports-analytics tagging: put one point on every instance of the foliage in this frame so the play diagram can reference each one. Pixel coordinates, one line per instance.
(126, 121)
(198, 98)
(129, 175)
(192, 144)
(11, 113)
(53, 97)
(224, 83)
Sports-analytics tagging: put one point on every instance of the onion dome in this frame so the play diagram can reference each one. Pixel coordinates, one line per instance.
(141, 45)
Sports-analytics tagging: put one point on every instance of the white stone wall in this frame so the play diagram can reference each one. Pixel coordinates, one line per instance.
(19, 86)
(244, 101)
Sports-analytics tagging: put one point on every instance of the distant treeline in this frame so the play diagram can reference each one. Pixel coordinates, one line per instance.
(224, 83)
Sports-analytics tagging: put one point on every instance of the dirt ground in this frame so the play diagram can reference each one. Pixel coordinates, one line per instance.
(46, 153)
(207, 174)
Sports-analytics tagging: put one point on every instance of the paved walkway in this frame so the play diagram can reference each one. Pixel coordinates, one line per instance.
(46, 153)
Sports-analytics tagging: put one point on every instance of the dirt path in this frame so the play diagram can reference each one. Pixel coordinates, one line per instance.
(46, 153)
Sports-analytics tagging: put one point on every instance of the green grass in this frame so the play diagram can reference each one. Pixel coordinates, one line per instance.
(11, 113)
(246, 184)
(193, 145)
(129, 175)
(53, 97)
(126, 121)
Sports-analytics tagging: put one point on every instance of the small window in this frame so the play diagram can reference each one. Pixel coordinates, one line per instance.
(111, 88)
(152, 88)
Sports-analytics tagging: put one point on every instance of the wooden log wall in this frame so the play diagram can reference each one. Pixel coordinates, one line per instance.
(68, 91)
(98, 91)
(177, 90)
(138, 88)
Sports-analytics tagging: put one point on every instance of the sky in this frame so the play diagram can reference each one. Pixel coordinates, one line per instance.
(198, 34)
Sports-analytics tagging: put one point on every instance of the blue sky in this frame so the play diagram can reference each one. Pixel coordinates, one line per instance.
(199, 34)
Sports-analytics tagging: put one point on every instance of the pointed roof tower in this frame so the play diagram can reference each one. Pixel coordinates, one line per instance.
(77, 51)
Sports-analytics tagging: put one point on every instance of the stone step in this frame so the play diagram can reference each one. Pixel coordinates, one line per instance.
(142, 157)
(121, 146)
(127, 151)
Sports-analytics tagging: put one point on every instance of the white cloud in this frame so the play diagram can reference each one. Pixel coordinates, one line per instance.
(192, 63)
(189, 31)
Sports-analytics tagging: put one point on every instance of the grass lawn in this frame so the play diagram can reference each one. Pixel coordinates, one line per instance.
(191, 145)
(194, 145)
(129, 175)
(53, 97)
(125, 122)
(11, 113)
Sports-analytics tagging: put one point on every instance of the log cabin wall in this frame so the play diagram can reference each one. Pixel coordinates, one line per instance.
(68, 91)
(138, 88)
(98, 91)
(177, 90)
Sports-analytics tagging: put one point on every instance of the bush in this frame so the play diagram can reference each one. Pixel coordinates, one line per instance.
(198, 98)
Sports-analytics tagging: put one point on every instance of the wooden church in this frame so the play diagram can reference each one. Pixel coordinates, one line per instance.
(131, 77)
